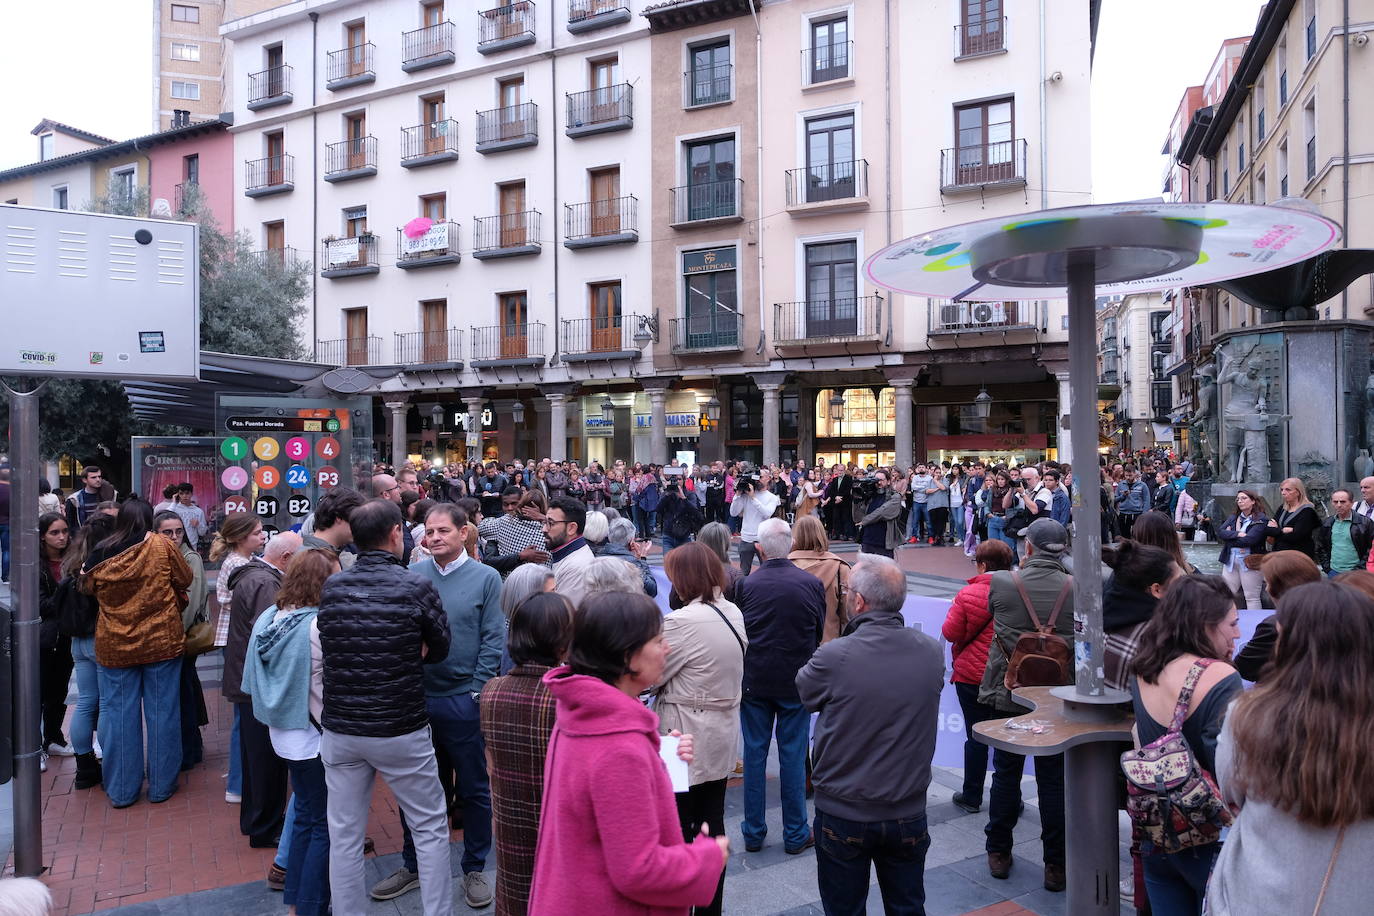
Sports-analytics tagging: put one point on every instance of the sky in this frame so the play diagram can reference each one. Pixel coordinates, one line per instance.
(1147, 54)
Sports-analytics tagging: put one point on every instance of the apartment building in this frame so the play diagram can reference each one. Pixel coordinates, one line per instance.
(1133, 351)
(191, 59)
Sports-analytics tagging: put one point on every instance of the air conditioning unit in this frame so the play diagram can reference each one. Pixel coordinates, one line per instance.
(987, 313)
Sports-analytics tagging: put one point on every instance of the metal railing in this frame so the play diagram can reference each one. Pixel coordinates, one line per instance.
(1311, 158)
(983, 163)
(269, 83)
(179, 196)
(597, 106)
(708, 200)
(277, 258)
(514, 122)
(820, 320)
(349, 155)
(949, 317)
(1107, 377)
(593, 218)
(352, 61)
(509, 230)
(579, 10)
(443, 239)
(508, 341)
(707, 85)
(709, 331)
(427, 42)
(981, 37)
(827, 181)
(348, 253)
(429, 347)
(602, 334)
(269, 172)
(349, 351)
(513, 20)
(432, 139)
(824, 62)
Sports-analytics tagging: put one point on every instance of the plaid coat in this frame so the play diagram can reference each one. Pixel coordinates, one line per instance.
(517, 717)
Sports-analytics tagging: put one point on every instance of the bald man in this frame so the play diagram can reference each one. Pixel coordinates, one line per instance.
(389, 488)
(1365, 506)
(255, 586)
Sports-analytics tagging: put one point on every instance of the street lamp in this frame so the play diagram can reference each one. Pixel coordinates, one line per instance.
(836, 407)
(517, 412)
(608, 409)
(713, 409)
(982, 405)
(647, 332)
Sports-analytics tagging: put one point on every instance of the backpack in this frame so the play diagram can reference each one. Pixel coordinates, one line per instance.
(1042, 658)
(1172, 800)
(687, 522)
(75, 610)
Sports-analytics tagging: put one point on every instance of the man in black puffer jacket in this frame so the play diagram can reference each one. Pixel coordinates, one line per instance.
(379, 624)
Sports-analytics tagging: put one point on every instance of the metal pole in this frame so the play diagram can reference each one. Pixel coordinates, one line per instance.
(28, 822)
(1087, 528)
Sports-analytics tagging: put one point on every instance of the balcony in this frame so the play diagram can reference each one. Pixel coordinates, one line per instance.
(507, 345)
(350, 257)
(827, 63)
(979, 38)
(827, 321)
(278, 259)
(605, 338)
(970, 318)
(269, 88)
(272, 175)
(586, 15)
(714, 332)
(509, 235)
(708, 86)
(431, 46)
(350, 159)
(435, 349)
(428, 144)
(828, 187)
(614, 221)
(351, 66)
(599, 111)
(436, 247)
(349, 351)
(180, 197)
(966, 168)
(512, 127)
(708, 203)
(1107, 377)
(506, 27)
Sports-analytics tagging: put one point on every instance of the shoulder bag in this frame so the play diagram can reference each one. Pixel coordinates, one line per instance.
(733, 631)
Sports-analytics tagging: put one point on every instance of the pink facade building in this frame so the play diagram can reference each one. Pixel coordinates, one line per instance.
(200, 154)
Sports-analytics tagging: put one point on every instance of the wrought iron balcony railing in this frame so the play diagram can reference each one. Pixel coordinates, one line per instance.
(708, 85)
(418, 347)
(423, 144)
(355, 158)
(980, 37)
(827, 181)
(600, 110)
(269, 87)
(440, 245)
(271, 175)
(349, 257)
(505, 235)
(350, 66)
(507, 128)
(506, 26)
(598, 336)
(1003, 162)
(601, 222)
(825, 62)
(349, 351)
(585, 15)
(708, 200)
(949, 317)
(718, 330)
(507, 341)
(827, 320)
(431, 46)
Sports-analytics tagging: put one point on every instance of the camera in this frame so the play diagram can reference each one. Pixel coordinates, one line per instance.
(866, 487)
(747, 483)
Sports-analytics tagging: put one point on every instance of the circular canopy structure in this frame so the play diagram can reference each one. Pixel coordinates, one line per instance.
(1136, 247)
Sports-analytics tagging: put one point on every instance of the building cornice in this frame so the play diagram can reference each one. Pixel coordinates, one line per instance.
(122, 148)
(1267, 33)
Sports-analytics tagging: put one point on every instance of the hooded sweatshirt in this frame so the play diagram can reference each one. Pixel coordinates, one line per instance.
(609, 834)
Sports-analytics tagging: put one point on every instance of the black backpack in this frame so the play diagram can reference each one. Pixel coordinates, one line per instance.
(76, 611)
(687, 522)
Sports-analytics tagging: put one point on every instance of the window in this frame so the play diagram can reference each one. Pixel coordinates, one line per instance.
(45, 147)
(1309, 132)
(181, 13)
(355, 133)
(832, 306)
(355, 330)
(829, 49)
(1240, 155)
(513, 225)
(1282, 56)
(515, 329)
(1283, 168)
(985, 131)
(830, 157)
(604, 302)
(432, 14)
(746, 412)
(1260, 101)
(434, 206)
(185, 90)
(355, 221)
(122, 184)
(982, 26)
(274, 237)
(709, 73)
(275, 144)
(514, 119)
(190, 169)
(1261, 189)
(1225, 182)
(182, 50)
(59, 198)
(434, 322)
(711, 179)
(1309, 15)
(605, 188)
(710, 298)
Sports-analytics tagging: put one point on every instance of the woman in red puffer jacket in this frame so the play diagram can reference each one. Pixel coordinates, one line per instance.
(969, 631)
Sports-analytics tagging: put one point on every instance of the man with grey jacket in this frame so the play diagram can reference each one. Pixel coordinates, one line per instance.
(877, 690)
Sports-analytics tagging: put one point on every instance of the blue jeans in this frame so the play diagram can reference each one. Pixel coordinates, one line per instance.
(456, 724)
(132, 699)
(846, 849)
(288, 825)
(793, 722)
(87, 694)
(669, 542)
(956, 521)
(997, 532)
(919, 512)
(1176, 882)
(234, 784)
(307, 864)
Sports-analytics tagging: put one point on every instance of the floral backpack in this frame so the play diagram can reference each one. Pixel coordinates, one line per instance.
(1171, 799)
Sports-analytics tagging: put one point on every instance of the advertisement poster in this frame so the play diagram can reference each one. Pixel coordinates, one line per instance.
(162, 460)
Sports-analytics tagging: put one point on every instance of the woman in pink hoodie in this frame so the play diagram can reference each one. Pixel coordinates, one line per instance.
(610, 841)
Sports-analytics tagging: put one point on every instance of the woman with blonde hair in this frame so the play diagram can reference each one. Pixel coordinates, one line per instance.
(811, 552)
(1294, 521)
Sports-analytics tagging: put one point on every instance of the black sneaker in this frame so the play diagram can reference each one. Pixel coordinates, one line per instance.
(963, 803)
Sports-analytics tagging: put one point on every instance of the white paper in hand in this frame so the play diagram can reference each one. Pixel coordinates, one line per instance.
(678, 771)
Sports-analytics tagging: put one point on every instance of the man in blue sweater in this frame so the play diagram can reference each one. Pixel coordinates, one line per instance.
(471, 595)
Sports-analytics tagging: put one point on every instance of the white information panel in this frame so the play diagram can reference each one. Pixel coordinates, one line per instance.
(98, 296)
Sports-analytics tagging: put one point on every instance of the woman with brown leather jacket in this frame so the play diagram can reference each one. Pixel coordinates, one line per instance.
(811, 552)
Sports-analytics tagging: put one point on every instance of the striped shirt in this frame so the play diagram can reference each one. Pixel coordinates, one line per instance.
(223, 593)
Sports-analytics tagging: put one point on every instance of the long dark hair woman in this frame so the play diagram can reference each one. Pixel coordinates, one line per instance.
(81, 620)
(140, 582)
(1156, 529)
(610, 837)
(1140, 576)
(55, 653)
(1296, 757)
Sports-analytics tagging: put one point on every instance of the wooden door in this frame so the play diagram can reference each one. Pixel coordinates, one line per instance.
(356, 325)
(514, 329)
(276, 159)
(605, 201)
(605, 94)
(275, 73)
(356, 127)
(513, 215)
(605, 315)
(434, 319)
(509, 18)
(433, 14)
(512, 94)
(355, 39)
(276, 241)
(435, 126)
(434, 206)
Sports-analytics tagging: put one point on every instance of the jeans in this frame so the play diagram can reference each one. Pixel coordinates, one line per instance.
(1005, 803)
(997, 531)
(132, 699)
(1176, 882)
(975, 752)
(938, 522)
(456, 723)
(307, 862)
(703, 805)
(956, 522)
(669, 542)
(920, 512)
(234, 783)
(757, 718)
(844, 851)
(288, 826)
(87, 694)
(748, 552)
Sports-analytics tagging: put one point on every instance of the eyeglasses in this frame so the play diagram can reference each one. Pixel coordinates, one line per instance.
(389, 489)
(550, 522)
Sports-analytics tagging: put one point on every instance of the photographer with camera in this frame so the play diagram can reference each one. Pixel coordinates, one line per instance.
(880, 530)
(754, 503)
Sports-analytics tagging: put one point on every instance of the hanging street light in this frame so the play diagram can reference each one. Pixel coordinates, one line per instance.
(713, 409)
(982, 405)
(836, 407)
(517, 412)
(608, 409)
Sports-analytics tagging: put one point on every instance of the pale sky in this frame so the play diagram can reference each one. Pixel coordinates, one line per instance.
(88, 63)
